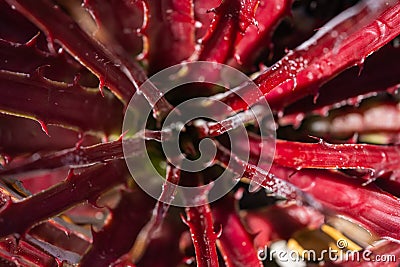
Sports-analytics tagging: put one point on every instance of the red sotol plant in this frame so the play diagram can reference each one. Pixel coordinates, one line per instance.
(68, 69)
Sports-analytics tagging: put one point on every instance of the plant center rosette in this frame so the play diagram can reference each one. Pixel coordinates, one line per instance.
(199, 133)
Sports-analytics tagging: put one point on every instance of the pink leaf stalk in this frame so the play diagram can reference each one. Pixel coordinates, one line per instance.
(46, 101)
(61, 28)
(200, 221)
(75, 189)
(120, 21)
(376, 210)
(234, 242)
(326, 54)
(268, 15)
(349, 87)
(150, 230)
(27, 58)
(204, 16)
(122, 78)
(258, 175)
(127, 215)
(26, 254)
(232, 17)
(13, 140)
(323, 155)
(172, 24)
